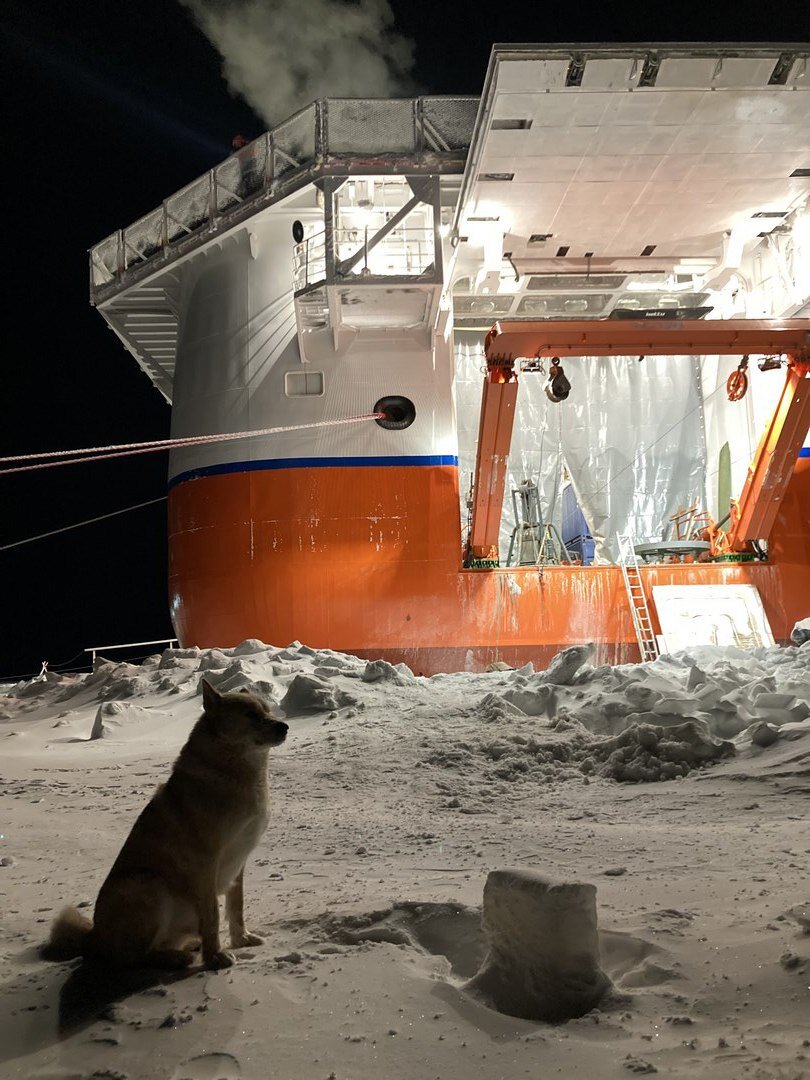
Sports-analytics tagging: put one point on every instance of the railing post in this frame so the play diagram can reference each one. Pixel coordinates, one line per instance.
(212, 197)
(164, 228)
(418, 126)
(321, 129)
(269, 164)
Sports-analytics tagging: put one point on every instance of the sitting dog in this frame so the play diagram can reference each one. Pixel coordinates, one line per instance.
(159, 902)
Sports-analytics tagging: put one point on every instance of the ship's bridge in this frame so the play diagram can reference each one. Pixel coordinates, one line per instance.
(363, 183)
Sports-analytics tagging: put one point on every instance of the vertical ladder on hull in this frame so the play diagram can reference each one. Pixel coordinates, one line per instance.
(642, 623)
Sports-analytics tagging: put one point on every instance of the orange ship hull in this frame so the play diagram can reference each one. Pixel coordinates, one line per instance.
(367, 560)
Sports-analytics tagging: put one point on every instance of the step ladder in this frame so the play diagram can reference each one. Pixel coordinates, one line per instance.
(642, 623)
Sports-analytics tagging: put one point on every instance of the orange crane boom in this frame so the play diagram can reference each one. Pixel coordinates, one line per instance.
(648, 337)
(494, 440)
(770, 471)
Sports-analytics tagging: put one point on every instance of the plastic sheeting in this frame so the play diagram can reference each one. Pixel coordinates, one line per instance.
(736, 424)
(631, 436)
(536, 448)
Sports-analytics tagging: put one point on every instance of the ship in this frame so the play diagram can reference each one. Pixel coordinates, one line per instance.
(441, 325)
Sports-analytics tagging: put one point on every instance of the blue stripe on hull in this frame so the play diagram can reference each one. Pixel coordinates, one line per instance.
(310, 463)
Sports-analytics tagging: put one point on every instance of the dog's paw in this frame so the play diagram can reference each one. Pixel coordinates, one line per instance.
(218, 960)
(239, 941)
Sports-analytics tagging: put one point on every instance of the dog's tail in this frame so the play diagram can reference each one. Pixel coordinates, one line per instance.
(69, 936)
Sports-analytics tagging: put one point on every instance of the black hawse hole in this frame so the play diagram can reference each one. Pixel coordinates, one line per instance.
(400, 413)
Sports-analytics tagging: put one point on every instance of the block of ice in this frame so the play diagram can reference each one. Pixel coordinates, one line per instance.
(543, 960)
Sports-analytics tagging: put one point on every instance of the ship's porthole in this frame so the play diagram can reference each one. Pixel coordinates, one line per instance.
(400, 413)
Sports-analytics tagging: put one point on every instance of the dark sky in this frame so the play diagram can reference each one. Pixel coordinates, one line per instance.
(108, 108)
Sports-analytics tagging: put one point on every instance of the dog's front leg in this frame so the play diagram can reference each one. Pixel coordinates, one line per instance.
(208, 916)
(234, 906)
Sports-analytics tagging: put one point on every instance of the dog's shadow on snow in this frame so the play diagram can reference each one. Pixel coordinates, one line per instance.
(92, 992)
(36, 1012)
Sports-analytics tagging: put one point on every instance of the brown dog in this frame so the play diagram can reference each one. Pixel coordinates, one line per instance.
(187, 848)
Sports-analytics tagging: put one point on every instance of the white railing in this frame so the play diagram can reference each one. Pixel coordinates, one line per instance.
(404, 252)
(93, 649)
(325, 132)
(309, 261)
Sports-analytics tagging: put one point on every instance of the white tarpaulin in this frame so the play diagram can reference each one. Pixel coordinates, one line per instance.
(536, 448)
(630, 434)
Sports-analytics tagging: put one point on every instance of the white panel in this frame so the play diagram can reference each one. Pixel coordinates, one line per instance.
(716, 72)
(686, 71)
(611, 74)
(726, 615)
(745, 71)
(570, 108)
(799, 76)
(603, 169)
(653, 106)
(531, 74)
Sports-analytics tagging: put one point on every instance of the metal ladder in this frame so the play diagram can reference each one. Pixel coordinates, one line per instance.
(642, 623)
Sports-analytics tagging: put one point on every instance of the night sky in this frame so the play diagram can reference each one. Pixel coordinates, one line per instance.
(108, 109)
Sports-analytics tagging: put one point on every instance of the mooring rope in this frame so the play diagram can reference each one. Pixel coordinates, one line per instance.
(100, 453)
(78, 524)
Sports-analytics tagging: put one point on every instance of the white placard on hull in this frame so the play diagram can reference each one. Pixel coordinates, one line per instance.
(693, 615)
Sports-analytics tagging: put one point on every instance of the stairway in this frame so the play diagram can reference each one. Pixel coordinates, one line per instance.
(642, 623)
(312, 310)
(145, 318)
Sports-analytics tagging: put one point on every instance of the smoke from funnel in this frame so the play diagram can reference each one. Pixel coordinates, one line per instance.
(281, 54)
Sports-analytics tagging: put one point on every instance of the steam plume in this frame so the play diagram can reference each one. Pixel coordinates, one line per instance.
(281, 54)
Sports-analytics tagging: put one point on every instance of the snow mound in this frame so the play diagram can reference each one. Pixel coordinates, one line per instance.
(252, 647)
(213, 660)
(237, 676)
(173, 658)
(565, 665)
(382, 671)
(628, 723)
(308, 694)
(565, 749)
(111, 708)
(494, 709)
(646, 752)
(533, 700)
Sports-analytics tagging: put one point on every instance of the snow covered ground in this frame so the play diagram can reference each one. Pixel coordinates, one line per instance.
(678, 789)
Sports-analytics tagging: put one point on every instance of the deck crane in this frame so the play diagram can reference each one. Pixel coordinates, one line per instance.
(507, 343)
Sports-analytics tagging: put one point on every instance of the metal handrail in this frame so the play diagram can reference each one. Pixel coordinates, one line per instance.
(411, 246)
(268, 167)
(93, 649)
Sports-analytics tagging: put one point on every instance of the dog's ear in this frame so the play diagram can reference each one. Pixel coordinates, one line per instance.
(211, 697)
